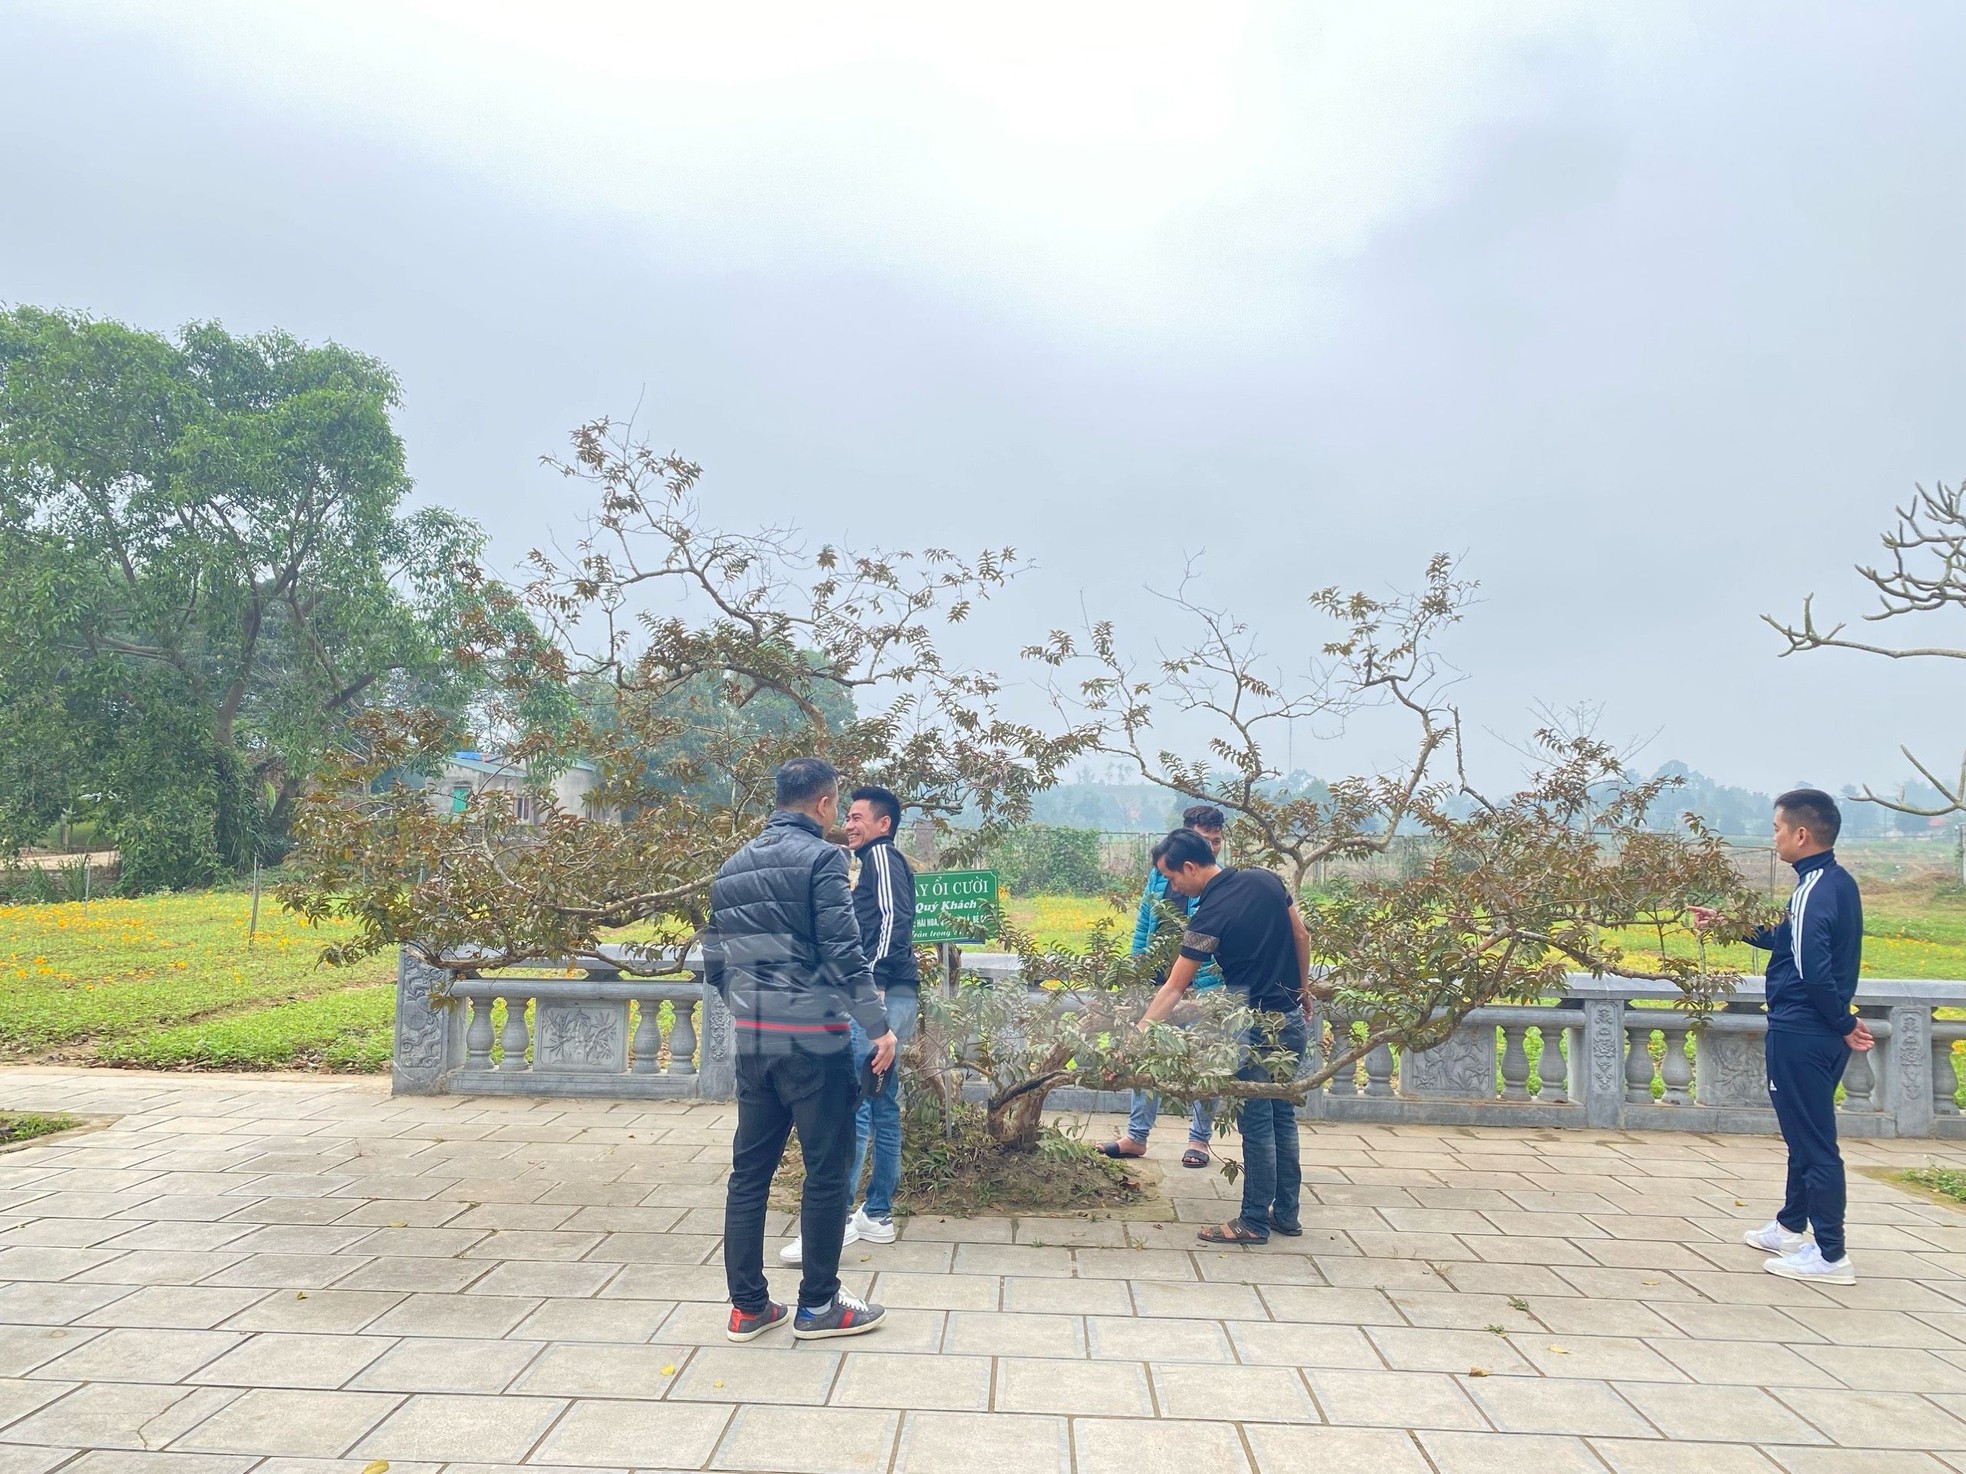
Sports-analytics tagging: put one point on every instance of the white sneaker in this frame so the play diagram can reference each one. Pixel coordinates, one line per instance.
(794, 1252)
(1807, 1263)
(873, 1230)
(1772, 1237)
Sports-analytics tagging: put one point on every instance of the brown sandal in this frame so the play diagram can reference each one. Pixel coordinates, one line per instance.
(1234, 1232)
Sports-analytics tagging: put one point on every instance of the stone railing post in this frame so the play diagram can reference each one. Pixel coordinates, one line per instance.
(429, 1033)
(1603, 1074)
(716, 1076)
(1909, 1070)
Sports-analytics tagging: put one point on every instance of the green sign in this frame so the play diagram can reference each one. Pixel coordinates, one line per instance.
(955, 906)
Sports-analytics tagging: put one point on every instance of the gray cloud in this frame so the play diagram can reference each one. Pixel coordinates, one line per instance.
(1655, 338)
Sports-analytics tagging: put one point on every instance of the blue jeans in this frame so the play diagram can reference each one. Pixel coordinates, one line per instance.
(879, 1121)
(1272, 1177)
(1146, 1110)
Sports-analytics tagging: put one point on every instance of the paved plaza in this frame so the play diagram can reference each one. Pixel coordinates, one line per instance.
(298, 1274)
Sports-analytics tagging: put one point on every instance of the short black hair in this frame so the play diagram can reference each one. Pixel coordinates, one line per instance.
(804, 779)
(882, 801)
(1204, 816)
(1815, 811)
(1183, 847)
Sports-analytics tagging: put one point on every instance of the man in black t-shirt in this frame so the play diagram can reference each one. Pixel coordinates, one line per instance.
(1247, 922)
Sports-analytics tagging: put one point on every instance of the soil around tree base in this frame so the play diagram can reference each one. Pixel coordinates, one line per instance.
(964, 1173)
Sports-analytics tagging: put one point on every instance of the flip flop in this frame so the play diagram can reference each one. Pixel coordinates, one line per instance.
(1194, 1156)
(1112, 1149)
(1237, 1232)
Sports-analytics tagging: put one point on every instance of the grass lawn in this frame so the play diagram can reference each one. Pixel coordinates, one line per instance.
(26, 1125)
(169, 980)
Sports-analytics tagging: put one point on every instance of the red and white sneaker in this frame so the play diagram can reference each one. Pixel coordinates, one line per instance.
(846, 1316)
(745, 1327)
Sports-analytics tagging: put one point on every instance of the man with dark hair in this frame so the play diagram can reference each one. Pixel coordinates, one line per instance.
(1815, 953)
(1247, 922)
(783, 949)
(884, 906)
(1144, 1109)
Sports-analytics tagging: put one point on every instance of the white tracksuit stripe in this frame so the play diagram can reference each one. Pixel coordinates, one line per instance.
(884, 895)
(1798, 905)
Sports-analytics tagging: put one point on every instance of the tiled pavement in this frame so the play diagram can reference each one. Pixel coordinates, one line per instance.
(298, 1274)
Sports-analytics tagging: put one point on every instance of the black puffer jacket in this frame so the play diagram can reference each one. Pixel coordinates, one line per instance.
(782, 945)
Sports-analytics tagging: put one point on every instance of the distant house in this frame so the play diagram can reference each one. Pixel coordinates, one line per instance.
(468, 773)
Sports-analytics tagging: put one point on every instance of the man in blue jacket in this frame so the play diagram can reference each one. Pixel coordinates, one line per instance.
(1209, 822)
(1814, 957)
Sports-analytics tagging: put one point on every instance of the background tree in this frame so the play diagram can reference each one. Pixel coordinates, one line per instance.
(209, 571)
(701, 659)
(1925, 574)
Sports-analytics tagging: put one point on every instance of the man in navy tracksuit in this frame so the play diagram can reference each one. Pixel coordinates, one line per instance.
(1814, 956)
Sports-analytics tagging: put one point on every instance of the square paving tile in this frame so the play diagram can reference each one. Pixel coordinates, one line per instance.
(142, 1356)
(1737, 1414)
(120, 1415)
(1294, 1450)
(937, 1442)
(644, 1435)
(1025, 1385)
(283, 1359)
(752, 1374)
(441, 1428)
(1555, 1405)
(603, 1371)
(1119, 1446)
(1878, 1419)
(808, 1440)
(1508, 1453)
(1191, 1390)
(1144, 1338)
(1394, 1399)
(431, 1364)
(897, 1380)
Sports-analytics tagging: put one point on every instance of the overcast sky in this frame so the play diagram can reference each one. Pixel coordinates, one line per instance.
(1650, 311)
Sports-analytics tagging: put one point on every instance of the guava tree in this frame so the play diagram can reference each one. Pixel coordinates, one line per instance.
(685, 661)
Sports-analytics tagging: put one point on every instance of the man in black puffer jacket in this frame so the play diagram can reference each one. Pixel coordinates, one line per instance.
(783, 948)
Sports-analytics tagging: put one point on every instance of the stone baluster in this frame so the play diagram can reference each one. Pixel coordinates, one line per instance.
(513, 1040)
(1638, 1063)
(1515, 1062)
(1379, 1070)
(1553, 1069)
(647, 1040)
(1945, 1079)
(478, 1038)
(1859, 1083)
(1676, 1069)
(682, 1039)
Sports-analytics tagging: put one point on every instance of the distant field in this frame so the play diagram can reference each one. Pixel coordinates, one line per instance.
(1908, 931)
(169, 981)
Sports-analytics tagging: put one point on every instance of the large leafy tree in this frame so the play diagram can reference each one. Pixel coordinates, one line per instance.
(210, 572)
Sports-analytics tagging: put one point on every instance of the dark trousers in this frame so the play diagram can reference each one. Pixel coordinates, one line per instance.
(1803, 1073)
(1272, 1177)
(775, 1092)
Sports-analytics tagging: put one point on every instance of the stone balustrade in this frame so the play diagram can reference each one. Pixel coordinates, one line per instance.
(1608, 1054)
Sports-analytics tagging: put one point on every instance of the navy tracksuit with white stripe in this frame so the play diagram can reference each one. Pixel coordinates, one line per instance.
(1814, 957)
